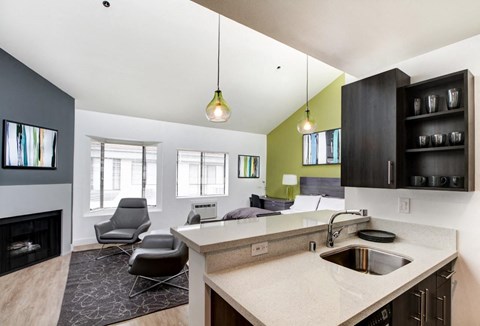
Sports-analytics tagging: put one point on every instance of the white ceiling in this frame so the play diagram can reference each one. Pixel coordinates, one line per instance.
(358, 37)
(157, 59)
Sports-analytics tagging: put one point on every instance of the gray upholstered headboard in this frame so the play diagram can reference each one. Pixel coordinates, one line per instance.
(321, 186)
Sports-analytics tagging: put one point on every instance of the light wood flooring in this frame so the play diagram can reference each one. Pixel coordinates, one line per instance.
(33, 296)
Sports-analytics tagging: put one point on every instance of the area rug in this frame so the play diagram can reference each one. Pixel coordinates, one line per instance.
(97, 292)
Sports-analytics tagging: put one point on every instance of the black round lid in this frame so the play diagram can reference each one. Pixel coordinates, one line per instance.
(376, 235)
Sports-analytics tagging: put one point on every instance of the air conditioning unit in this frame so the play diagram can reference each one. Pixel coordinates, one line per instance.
(207, 210)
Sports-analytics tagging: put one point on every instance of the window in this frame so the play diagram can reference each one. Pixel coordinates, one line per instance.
(201, 174)
(122, 170)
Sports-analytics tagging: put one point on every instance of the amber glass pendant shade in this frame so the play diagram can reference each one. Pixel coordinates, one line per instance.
(218, 110)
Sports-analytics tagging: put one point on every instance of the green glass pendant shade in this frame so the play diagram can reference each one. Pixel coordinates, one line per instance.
(218, 110)
(307, 125)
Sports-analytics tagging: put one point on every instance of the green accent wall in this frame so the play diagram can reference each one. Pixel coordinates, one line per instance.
(284, 143)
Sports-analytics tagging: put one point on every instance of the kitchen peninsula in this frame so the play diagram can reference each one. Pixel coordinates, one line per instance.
(291, 285)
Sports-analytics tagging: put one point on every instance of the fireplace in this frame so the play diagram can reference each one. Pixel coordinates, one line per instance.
(29, 239)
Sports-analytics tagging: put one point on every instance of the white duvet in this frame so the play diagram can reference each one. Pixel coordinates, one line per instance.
(307, 203)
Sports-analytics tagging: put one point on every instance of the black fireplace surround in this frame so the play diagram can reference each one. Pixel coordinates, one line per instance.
(29, 239)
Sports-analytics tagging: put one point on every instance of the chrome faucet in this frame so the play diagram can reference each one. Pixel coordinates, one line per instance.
(331, 236)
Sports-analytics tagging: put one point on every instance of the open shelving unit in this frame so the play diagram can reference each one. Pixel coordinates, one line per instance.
(446, 160)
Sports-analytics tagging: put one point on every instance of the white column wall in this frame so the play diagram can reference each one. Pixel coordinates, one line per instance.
(171, 136)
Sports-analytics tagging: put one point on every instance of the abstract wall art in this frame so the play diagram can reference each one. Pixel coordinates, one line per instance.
(248, 166)
(322, 147)
(27, 146)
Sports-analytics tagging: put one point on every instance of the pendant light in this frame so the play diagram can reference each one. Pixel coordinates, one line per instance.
(307, 125)
(217, 110)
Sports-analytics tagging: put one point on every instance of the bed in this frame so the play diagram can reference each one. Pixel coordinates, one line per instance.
(318, 194)
(315, 194)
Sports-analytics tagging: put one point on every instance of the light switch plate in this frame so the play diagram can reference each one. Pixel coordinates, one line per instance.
(404, 205)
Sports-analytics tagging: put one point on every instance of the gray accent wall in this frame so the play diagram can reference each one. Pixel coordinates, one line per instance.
(27, 97)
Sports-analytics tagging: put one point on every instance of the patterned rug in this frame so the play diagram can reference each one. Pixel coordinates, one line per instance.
(97, 292)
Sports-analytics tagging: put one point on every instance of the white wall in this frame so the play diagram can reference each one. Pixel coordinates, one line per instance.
(171, 136)
(448, 209)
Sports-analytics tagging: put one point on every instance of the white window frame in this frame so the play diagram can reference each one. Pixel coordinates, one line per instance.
(225, 174)
(102, 142)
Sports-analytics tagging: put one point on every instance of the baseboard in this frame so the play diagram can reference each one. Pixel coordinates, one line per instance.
(84, 241)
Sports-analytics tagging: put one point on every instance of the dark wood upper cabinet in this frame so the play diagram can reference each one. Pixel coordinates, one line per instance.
(370, 121)
(380, 131)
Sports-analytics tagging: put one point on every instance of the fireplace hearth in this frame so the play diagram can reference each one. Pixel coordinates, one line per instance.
(29, 239)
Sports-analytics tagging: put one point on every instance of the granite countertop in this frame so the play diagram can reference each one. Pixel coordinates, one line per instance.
(229, 234)
(304, 289)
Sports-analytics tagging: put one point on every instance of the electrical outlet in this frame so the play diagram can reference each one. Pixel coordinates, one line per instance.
(352, 229)
(404, 205)
(259, 248)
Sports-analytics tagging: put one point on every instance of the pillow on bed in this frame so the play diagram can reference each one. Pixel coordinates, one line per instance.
(305, 203)
(336, 204)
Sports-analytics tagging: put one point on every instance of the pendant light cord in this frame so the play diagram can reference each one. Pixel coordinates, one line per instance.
(218, 55)
(307, 109)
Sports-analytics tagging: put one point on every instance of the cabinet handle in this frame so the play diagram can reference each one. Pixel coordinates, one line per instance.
(444, 309)
(389, 172)
(426, 305)
(420, 295)
(449, 275)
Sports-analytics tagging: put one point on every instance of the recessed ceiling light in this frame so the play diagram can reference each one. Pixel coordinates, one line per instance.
(106, 4)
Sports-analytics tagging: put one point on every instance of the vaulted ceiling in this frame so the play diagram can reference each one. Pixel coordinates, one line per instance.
(157, 59)
(358, 37)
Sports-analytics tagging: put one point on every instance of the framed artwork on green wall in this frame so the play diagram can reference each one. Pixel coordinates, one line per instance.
(322, 147)
(248, 166)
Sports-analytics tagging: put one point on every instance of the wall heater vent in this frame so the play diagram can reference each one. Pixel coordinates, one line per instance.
(206, 210)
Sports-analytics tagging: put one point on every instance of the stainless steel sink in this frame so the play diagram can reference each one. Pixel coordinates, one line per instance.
(366, 260)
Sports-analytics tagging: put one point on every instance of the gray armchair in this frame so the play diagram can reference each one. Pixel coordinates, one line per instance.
(129, 220)
(162, 256)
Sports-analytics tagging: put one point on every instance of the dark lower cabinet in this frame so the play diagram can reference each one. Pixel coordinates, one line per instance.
(427, 303)
(223, 314)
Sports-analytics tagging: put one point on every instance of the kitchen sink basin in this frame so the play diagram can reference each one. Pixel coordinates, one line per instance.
(366, 260)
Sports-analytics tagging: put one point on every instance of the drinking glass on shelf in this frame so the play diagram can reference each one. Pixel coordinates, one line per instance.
(432, 103)
(453, 98)
(417, 106)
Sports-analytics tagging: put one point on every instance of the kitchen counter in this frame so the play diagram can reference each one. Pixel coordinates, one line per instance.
(223, 235)
(304, 289)
(290, 285)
